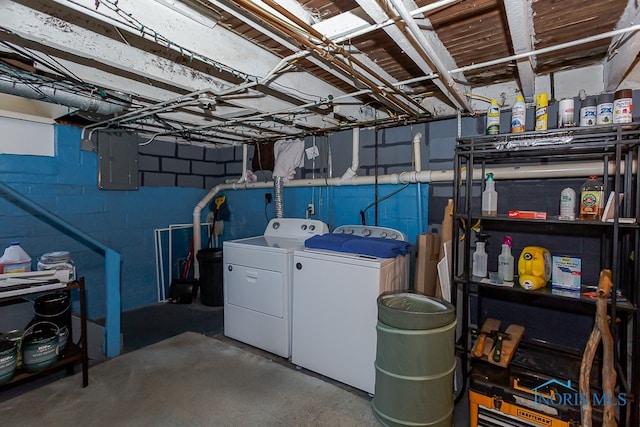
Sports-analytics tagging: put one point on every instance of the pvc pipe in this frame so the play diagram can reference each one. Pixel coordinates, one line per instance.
(563, 170)
(417, 161)
(355, 156)
(245, 155)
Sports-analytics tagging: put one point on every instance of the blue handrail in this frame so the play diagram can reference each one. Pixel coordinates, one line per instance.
(112, 264)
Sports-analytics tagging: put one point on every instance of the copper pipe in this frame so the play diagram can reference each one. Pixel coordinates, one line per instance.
(323, 54)
(341, 51)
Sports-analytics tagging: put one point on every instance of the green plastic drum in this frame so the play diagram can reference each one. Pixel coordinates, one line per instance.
(415, 360)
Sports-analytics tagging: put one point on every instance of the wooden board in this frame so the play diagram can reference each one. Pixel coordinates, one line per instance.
(446, 234)
(488, 326)
(509, 346)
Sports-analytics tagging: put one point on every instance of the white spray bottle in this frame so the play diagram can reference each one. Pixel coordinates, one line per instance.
(490, 197)
(505, 261)
(479, 266)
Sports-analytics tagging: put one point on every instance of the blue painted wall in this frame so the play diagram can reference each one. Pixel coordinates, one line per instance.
(335, 206)
(125, 220)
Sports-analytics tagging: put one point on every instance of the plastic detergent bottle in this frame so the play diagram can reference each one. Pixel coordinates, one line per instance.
(493, 118)
(518, 115)
(480, 259)
(592, 199)
(568, 204)
(505, 261)
(15, 259)
(490, 197)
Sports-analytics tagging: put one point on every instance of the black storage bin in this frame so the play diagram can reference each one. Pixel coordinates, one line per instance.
(211, 273)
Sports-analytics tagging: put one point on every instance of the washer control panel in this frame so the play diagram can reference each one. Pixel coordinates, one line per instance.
(295, 228)
(371, 231)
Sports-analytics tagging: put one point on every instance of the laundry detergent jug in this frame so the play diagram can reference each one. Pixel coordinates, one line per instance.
(534, 267)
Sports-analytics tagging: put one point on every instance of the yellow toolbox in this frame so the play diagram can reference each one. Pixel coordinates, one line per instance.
(525, 393)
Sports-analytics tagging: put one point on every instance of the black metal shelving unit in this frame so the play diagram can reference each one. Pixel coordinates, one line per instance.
(617, 149)
(74, 352)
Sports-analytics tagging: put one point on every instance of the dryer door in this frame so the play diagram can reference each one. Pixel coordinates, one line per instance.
(255, 289)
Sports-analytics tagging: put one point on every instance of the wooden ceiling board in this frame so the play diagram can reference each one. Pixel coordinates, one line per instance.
(323, 9)
(557, 22)
(475, 32)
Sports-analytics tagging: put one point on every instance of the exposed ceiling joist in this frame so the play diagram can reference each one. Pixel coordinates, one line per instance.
(274, 68)
(623, 49)
(438, 55)
(520, 19)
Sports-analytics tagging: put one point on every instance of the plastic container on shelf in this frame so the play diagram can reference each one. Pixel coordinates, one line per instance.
(591, 199)
(505, 261)
(60, 260)
(567, 204)
(15, 259)
(493, 118)
(566, 109)
(490, 197)
(480, 258)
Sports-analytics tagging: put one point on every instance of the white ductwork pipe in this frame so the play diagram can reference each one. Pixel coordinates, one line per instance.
(245, 156)
(91, 103)
(355, 156)
(417, 161)
(278, 195)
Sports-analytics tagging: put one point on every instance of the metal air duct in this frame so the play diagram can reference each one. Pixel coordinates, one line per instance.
(86, 102)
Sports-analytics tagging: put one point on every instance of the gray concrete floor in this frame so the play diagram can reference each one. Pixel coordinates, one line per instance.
(172, 319)
(154, 323)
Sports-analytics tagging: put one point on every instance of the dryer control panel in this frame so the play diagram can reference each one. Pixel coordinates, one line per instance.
(295, 228)
(371, 231)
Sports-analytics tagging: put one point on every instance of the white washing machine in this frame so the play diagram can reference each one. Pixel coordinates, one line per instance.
(257, 283)
(335, 307)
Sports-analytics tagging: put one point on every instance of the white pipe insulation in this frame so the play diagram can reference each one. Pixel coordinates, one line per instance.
(352, 171)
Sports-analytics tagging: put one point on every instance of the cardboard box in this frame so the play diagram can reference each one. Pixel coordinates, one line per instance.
(566, 273)
(427, 257)
(527, 214)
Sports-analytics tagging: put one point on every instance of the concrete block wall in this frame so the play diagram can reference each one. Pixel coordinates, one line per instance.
(166, 164)
(67, 185)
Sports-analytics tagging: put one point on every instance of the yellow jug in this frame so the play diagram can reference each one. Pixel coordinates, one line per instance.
(534, 267)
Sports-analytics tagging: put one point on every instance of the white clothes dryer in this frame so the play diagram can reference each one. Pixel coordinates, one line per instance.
(258, 274)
